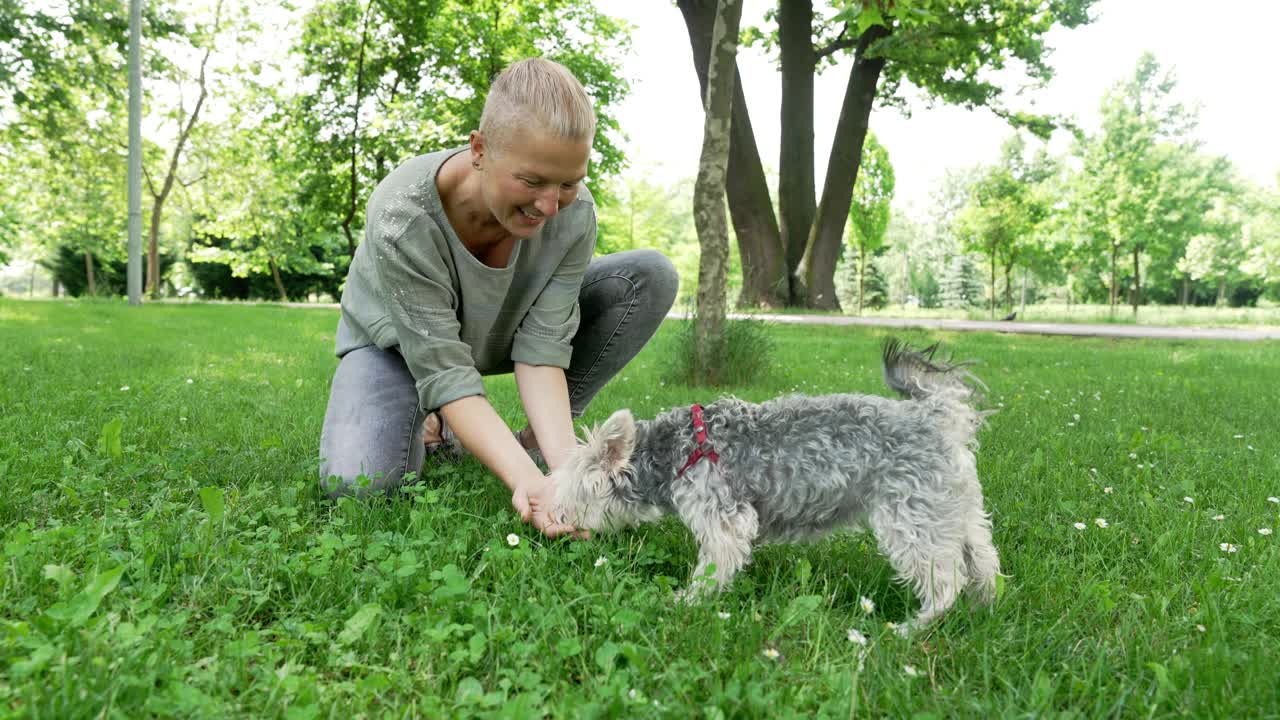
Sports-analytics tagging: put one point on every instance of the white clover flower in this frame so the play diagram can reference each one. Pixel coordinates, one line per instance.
(1189, 499)
(1133, 456)
(857, 637)
(910, 671)
(868, 607)
(772, 654)
(1227, 547)
(124, 388)
(1100, 522)
(723, 615)
(631, 693)
(513, 539)
(1075, 416)
(189, 381)
(1264, 531)
(1108, 490)
(1273, 499)
(1219, 517)
(1238, 437)
(1080, 526)
(1202, 628)
(1093, 470)
(601, 560)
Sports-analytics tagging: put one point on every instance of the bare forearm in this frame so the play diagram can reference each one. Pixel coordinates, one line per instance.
(545, 395)
(487, 437)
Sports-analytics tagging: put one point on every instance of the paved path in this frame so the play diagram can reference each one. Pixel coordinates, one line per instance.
(1165, 332)
(1037, 328)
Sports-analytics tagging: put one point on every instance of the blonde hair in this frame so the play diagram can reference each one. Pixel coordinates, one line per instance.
(541, 90)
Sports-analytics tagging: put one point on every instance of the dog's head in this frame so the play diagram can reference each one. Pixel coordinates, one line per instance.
(595, 486)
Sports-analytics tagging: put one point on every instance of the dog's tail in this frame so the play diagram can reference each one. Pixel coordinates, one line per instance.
(915, 374)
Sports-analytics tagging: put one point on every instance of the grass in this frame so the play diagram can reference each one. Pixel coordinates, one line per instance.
(1163, 315)
(166, 551)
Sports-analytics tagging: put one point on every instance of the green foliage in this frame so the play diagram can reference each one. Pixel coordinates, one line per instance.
(416, 74)
(960, 286)
(869, 216)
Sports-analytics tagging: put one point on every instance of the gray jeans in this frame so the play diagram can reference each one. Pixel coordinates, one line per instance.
(372, 430)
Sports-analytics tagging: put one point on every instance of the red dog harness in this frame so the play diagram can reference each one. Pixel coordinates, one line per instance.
(703, 448)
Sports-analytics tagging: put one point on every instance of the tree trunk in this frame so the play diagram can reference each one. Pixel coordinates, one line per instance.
(91, 286)
(1186, 289)
(1115, 280)
(275, 275)
(1008, 286)
(862, 282)
(818, 266)
(993, 281)
(797, 201)
(159, 198)
(709, 190)
(1023, 308)
(355, 132)
(1222, 292)
(764, 269)
(1137, 282)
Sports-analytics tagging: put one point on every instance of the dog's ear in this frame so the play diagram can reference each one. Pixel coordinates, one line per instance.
(616, 440)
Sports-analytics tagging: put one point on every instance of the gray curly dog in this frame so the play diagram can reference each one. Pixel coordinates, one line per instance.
(739, 473)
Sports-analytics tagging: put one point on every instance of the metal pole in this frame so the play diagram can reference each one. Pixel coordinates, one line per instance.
(135, 152)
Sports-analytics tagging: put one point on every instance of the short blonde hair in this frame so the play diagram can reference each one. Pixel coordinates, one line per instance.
(538, 93)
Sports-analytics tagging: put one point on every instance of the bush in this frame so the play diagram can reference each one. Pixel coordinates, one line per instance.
(743, 357)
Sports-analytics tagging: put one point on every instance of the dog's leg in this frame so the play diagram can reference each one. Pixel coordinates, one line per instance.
(926, 546)
(723, 525)
(980, 554)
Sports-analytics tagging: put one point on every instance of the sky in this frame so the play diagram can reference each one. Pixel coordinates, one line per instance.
(1225, 61)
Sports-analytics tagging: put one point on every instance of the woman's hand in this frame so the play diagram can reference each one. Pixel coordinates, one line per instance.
(533, 500)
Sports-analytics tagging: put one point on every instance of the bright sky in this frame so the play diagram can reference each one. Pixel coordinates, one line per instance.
(1224, 58)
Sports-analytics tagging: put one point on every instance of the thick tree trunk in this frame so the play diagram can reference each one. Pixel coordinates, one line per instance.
(91, 286)
(797, 201)
(819, 264)
(709, 189)
(1222, 292)
(764, 269)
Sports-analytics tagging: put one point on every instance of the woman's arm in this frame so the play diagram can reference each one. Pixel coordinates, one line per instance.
(483, 432)
(545, 396)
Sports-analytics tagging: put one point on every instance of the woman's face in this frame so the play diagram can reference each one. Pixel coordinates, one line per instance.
(529, 177)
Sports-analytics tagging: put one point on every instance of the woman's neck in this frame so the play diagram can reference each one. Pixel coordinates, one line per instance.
(464, 206)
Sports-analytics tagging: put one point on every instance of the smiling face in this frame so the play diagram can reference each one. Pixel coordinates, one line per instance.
(529, 177)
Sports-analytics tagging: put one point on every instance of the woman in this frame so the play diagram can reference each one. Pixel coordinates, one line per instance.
(478, 261)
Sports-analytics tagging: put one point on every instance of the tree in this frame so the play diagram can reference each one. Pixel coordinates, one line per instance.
(206, 34)
(389, 78)
(1005, 209)
(869, 212)
(709, 189)
(945, 48)
(960, 287)
(1144, 187)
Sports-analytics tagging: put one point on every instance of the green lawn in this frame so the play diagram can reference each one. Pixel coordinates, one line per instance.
(166, 552)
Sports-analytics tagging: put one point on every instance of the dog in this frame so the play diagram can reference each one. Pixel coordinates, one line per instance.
(796, 468)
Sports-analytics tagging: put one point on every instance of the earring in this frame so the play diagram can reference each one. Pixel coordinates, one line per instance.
(475, 164)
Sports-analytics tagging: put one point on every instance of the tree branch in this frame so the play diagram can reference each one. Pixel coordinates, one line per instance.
(842, 42)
